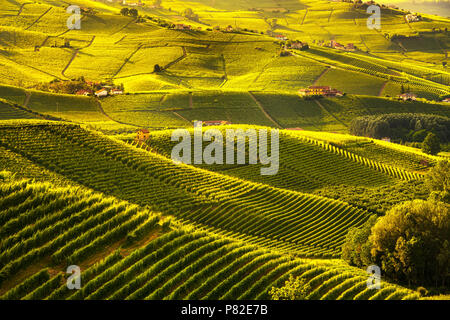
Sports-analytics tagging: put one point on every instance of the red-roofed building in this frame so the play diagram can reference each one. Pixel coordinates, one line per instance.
(101, 93)
(142, 135)
(320, 91)
(215, 123)
(116, 92)
(83, 93)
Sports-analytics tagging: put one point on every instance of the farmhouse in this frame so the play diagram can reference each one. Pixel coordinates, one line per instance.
(320, 91)
(83, 93)
(181, 26)
(407, 96)
(299, 45)
(281, 37)
(336, 45)
(215, 123)
(142, 135)
(101, 93)
(412, 17)
(229, 29)
(116, 92)
(447, 100)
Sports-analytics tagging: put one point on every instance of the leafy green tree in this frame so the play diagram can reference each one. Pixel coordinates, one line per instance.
(438, 181)
(356, 249)
(133, 13)
(124, 11)
(293, 289)
(431, 144)
(411, 242)
(157, 68)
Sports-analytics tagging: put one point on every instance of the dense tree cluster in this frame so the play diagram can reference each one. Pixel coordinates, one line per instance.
(294, 289)
(402, 126)
(438, 182)
(411, 243)
(431, 144)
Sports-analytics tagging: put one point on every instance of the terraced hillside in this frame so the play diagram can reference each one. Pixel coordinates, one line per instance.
(35, 48)
(169, 266)
(78, 187)
(207, 199)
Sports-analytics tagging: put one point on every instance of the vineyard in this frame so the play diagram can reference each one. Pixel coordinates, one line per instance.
(80, 187)
(197, 196)
(168, 267)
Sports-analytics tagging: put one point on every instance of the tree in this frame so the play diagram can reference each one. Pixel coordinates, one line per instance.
(157, 68)
(133, 12)
(124, 11)
(438, 181)
(431, 144)
(293, 289)
(356, 249)
(188, 12)
(411, 242)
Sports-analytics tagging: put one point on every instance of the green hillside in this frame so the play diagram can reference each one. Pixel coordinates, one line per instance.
(166, 267)
(87, 118)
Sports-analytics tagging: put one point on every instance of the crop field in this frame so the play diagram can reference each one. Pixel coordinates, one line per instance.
(92, 120)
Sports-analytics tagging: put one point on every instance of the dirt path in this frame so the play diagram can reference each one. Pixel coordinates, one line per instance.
(181, 117)
(70, 62)
(329, 113)
(120, 40)
(177, 59)
(331, 13)
(39, 18)
(21, 8)
(321, 75)
(264, 111)
(382, 88)
(126, 60)
(27, 99)
(191, 102)
(90, 42)
(224, 72)
(100, 108)
(304, 17)
(45, 41)
(129, 22)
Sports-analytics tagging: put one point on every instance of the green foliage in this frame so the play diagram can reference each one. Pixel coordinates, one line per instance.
(401, 126)
(412, 242)
(293, 289)
(356, 249)
(438, 181)
(431, 144)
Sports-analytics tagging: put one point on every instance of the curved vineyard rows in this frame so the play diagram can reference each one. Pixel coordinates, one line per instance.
(183, 265)
(307, 225)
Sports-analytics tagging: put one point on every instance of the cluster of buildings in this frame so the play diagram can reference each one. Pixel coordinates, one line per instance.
(182, 26)
(215, 123)
(408, 96)
(103, 92)
(412, 17)
(131, 4)
(325, 91)
(336, 45)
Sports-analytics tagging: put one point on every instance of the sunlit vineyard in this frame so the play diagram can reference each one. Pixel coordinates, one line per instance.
(87, 180)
